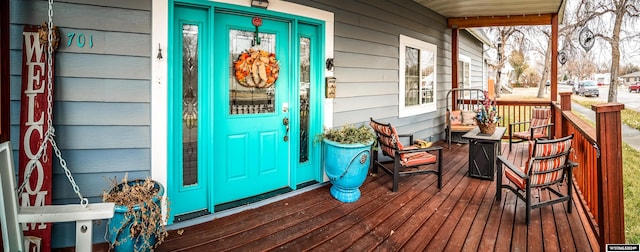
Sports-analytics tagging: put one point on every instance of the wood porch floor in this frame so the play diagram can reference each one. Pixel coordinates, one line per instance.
(463, 215)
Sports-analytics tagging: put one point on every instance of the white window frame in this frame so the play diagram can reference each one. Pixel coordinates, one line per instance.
(464, 59)
(405, 111)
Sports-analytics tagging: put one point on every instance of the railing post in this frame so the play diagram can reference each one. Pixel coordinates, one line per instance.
(609, 167)
(562, 125)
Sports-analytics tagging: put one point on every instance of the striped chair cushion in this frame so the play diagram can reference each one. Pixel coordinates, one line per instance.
(527, 134)
(388, 138)
(539, 117)
(514, 178)
(541, 165)
(416, 158)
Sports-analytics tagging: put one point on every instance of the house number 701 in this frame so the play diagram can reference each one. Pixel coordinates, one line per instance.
(81, 40)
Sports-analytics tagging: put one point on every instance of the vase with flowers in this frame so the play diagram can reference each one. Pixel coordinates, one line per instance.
(487, 114)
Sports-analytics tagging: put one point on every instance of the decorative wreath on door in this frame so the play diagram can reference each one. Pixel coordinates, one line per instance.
(256, 68)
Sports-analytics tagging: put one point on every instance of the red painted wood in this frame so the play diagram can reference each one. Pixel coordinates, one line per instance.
(463, 215)
(554, 57)
(33, 126)
(610, 179)
(455, 47)
(510, 20)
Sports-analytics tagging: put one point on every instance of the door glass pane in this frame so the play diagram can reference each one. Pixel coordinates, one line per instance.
(411, 76)
(249, 100)
(190, 104)
(305, 81)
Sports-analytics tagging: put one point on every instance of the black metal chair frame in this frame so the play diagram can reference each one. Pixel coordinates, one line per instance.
(531, 132)
(525, 195)
(397, 170)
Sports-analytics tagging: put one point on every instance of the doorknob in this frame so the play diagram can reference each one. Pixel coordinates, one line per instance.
(285, 122)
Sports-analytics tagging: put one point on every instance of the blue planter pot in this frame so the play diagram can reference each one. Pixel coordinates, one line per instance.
(119, 232)
(346, 166)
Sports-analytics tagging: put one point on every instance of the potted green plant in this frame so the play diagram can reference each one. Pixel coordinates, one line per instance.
(347, 159)
(138, 222)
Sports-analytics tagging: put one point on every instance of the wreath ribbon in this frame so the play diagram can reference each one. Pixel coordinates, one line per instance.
(256, 68)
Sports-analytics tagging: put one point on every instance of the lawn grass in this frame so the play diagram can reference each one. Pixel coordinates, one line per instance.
(629, 117)
(631, 172)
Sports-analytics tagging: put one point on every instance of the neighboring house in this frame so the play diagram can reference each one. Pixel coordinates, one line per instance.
(154, 95)
(631, 78)
(602, 78)
(472, 67)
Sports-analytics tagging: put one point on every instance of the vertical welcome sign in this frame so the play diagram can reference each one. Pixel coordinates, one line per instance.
(33, 126)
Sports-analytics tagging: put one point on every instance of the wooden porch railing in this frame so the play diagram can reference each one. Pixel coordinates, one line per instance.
(598, 178)
(511, 111)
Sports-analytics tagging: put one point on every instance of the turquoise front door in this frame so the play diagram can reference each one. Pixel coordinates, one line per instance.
(252, 122)
(230, 139)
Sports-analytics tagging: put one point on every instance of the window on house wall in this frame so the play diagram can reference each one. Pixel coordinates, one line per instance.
(417, 88)
(464, 72)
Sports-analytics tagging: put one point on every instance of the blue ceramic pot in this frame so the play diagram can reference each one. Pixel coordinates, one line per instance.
(120, 225)
(346, 166)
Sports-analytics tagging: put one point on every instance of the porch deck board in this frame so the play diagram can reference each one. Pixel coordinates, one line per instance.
(462, 216)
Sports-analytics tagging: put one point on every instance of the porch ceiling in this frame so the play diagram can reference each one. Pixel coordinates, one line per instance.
(475, 8)
(494, 8)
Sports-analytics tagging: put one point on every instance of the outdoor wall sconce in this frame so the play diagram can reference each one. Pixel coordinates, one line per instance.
(159, 56)
(329, 64)
(260, 3)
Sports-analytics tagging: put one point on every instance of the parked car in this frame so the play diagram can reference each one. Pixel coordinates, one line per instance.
(634, 87)
(587, 88)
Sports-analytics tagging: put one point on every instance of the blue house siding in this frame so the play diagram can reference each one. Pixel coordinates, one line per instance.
(101, 95)
(366, 60)
(472, 48)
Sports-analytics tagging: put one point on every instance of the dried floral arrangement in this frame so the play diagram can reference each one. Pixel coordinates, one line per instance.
(488, 111)
(144, 211)
(349, 134)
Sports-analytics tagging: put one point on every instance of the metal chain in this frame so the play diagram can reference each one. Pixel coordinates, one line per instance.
(83, 201)
(49, 135)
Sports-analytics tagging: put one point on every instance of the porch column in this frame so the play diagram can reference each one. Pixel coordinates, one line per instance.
(554, 57)
(610, 186)
(454, 57)
(454, 63)
(562, 125)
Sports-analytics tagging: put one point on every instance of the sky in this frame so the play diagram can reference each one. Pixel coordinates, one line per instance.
(601, 52)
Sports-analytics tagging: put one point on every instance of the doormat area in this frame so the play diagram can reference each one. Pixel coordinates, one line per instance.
(254, 199)
(247, 201)
(191, 215)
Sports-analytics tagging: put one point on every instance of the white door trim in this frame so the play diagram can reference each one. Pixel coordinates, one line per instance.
(159, 70)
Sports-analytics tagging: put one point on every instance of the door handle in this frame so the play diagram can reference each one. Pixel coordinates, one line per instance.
(285, 122)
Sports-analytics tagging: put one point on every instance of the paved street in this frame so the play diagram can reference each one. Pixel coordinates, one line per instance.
(630, 100)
